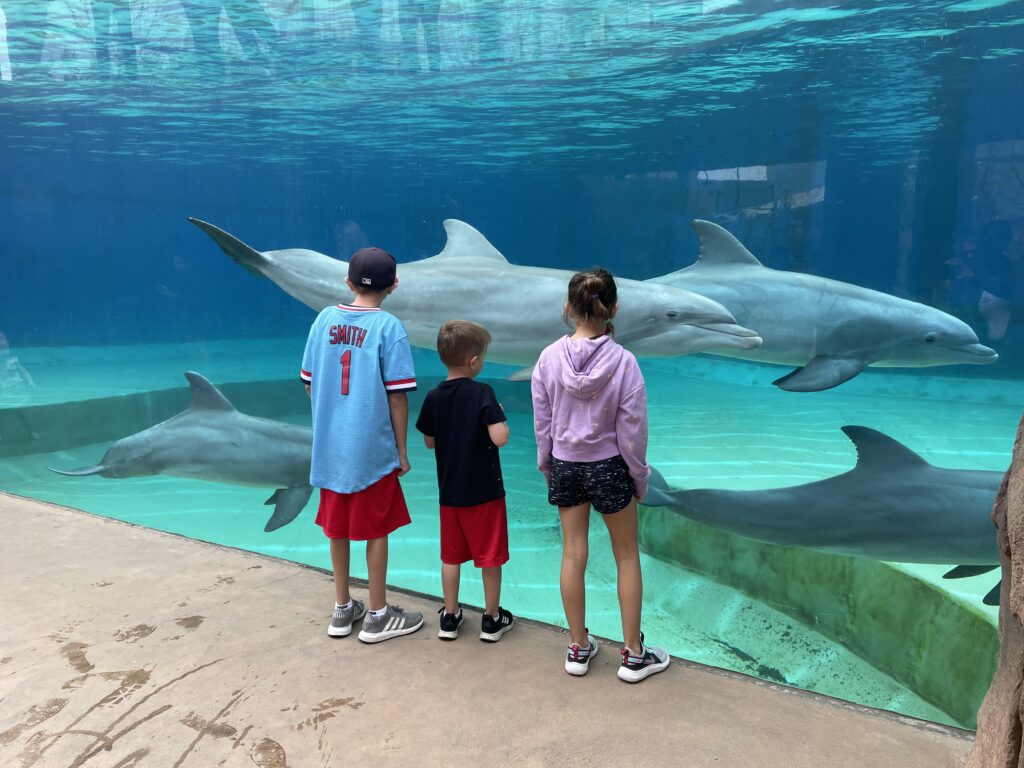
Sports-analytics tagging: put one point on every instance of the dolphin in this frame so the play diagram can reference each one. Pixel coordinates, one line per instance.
(520, 306)
(829, 329)
(893, 505)
(212, 441)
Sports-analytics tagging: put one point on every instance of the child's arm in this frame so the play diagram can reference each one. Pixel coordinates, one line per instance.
(499, 433)
(398, 405)
(492, 416)
(631, 436)
(429, 442)
(541, 420)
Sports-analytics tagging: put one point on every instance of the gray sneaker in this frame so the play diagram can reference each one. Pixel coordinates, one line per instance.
(343, 618)
(394, 623)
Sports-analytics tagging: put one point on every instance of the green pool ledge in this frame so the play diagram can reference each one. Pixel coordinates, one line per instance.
(937, 646)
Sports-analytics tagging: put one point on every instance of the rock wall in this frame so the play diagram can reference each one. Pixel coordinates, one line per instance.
(998, 742)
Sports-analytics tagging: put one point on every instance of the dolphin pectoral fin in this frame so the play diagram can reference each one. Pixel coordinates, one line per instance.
(966, 571)
(992, 598)
(81, 472)
(523, 374)
(288, 503)
(821, 373)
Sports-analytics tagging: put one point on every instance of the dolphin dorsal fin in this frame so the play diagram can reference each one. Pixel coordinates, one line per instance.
(879, 452)
(719, 247)
(466, 242)
(205, 396)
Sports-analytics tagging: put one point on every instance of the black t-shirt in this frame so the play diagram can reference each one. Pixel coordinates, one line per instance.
(456, 415)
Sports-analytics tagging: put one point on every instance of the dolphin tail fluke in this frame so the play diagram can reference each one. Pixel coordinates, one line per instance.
(288, 503)
(81, 472)
(249, 258)
(966, 571)
(992, 598)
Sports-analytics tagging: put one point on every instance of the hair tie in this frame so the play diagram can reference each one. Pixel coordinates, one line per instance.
(594, 296)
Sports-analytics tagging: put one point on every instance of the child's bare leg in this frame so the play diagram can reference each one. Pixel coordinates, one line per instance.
(450, 574)
(622, 529)
(377, 571)
(492, 589)
(339, 561)
(575, 528)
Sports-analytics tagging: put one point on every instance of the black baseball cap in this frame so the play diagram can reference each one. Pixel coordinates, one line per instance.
(372, 268)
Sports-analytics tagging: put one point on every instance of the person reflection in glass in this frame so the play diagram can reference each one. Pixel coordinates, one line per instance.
(996, 278)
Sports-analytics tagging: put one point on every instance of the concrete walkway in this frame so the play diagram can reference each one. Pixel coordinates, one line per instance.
(124, 647)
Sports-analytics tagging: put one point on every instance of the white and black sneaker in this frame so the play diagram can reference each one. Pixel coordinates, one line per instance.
(636, 666)
(577, 658)
(493, 627)
(343, 618)
(449, 623)
(394, 622)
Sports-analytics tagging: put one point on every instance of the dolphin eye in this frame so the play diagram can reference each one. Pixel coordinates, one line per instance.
(929, 338)
(671, 314)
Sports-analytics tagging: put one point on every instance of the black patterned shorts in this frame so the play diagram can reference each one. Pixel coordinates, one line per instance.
(606, 484)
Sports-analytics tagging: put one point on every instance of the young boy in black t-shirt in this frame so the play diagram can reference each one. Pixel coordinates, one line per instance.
(462, 420)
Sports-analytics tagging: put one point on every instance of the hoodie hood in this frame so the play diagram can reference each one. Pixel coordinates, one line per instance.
(590, 364)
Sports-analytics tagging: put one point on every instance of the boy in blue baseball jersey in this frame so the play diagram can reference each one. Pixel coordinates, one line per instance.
(358, 368)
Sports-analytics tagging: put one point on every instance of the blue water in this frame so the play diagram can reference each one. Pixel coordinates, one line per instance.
(862, 141)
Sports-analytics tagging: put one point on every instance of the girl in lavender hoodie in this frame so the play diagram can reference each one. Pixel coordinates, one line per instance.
(590, 416)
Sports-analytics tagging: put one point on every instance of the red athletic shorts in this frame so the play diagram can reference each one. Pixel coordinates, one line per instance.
(478, 533)
(375, 511)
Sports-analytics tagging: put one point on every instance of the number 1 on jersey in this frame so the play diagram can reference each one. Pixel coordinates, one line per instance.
(346, 367)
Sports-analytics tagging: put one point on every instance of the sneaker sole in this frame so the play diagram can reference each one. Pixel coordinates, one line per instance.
(579, 670)
(493, 637)
(443, 634)
(630, 676)
(380, 637)
(337, 632)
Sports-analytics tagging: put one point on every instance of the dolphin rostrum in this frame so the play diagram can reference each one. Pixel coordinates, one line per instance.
(830, 329)
(520, 306)
(892, 506)
(212, 441)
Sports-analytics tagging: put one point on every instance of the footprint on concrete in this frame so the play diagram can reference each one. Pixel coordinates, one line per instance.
(327, 709)
(75, 655)
(36, 715)
(134, 634)
(216, 730)
(190, 622)
(269, 754)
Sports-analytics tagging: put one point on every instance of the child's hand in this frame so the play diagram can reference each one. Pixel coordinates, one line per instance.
(403, 464)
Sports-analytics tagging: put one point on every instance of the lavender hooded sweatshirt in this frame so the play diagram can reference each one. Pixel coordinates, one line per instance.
(589, 404)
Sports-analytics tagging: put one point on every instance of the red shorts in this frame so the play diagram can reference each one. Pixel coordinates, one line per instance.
(478, 533)
(375, 511)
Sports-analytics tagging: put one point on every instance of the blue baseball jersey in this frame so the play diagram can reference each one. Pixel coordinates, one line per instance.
(354, 357)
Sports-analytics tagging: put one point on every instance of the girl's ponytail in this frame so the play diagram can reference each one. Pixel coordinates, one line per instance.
(592, 295)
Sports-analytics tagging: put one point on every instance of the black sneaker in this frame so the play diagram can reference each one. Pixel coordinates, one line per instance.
(636, 666)
(577, 658)
(448, 625)
(492, 628)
